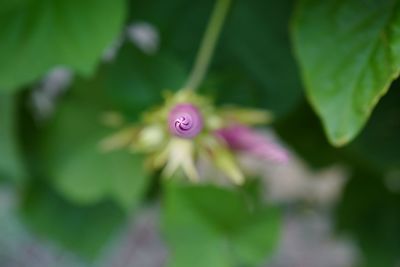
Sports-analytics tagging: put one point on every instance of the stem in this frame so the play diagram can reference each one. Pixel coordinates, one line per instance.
(208, 44)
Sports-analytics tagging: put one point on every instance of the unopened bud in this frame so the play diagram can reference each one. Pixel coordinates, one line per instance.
(185, 121)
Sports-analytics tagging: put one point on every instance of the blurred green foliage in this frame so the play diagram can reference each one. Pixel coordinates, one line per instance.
(371, 213)
(11, 165)
(38, 35)
(77, 166)
(83, 229)
(347, 54)
(220, 227)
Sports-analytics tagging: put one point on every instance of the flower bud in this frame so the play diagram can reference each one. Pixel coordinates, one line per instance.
(245, 139)
(185, 121)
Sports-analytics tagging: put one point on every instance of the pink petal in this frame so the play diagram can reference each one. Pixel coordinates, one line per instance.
(244, 139)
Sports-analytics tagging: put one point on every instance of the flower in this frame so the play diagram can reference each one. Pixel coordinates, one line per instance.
(188, 126)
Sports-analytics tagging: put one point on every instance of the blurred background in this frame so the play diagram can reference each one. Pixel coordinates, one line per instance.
(65, 65)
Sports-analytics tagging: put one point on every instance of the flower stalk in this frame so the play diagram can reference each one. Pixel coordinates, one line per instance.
(208, 45)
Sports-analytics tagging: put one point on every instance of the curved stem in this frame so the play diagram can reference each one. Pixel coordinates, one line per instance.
(208, 44)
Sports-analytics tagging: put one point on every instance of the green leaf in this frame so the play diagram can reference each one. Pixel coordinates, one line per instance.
(38, 35)
(84, 230)
(10, 159)
(349, 53)
(80, 170)
(218, 224)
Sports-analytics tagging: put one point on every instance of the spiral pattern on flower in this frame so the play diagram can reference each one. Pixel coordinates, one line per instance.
(185, 121)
